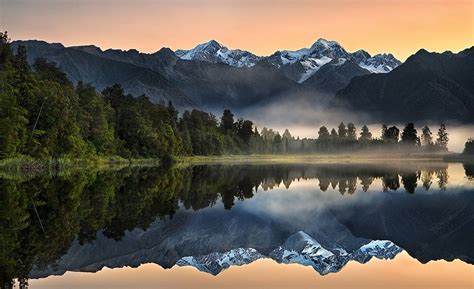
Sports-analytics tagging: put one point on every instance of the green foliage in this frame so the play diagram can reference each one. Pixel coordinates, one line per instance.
(391, 134)
(409, 134)
(323, 133)
(365, 134)
(227, 120)
(469, 147)
(44, 116)
(351, 131)
(426, 136)
(442, 139)
(342, 130)
(12, 123)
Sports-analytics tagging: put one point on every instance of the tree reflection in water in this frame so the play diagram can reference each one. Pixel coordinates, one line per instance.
(41, 217)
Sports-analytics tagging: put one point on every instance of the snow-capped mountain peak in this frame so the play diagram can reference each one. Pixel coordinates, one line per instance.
(214, 263)
(308, 60)
(214, 52)
(360, 55)
(299, 248)
(324, 43)
(200, 51)
(380, 63)
(298, 65)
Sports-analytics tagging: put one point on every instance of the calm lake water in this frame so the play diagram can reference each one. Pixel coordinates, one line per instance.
(351, 225)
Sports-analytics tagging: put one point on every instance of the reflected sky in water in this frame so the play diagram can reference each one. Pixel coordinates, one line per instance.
(326, 217)
(403, 272)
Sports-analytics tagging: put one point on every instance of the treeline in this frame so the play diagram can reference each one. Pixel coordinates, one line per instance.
(347, 139)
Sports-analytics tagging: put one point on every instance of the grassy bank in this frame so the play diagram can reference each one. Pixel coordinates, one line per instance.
(28, 165)
(315, 158)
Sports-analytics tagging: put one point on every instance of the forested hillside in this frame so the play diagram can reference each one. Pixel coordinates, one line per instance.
(44, 116)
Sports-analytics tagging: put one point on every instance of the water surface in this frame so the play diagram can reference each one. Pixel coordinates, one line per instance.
(329, 218)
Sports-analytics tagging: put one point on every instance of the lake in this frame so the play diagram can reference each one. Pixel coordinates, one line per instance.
(397, 224)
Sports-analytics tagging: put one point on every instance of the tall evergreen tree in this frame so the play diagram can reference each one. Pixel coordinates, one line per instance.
(245, 131)
(334, 134)
(365, 134)
(5, 50)
(426, 137)
(351, 131)
(409, 134)
(227, 120)
(342, 131)
(277, 140)
(286, 134)
(323, 133)
(12, 115)
(442, 137)
(384, 132)
(469, 147)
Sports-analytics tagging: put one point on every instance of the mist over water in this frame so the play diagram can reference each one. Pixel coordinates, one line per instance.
(304, 118)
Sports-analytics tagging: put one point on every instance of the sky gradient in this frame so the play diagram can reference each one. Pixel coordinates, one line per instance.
(261, 26)
(401, 273)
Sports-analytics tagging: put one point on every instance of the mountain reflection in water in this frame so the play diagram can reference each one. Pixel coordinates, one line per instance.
(215, 216)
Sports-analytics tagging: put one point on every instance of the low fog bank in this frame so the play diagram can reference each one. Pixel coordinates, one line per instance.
(303, 119)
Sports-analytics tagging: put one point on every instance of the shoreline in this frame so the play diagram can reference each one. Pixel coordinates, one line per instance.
(310, 158)
(26, 165)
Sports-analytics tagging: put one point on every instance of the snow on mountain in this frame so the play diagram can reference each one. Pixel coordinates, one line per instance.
(379, 249)
(303, 62)
(380, 63)
(323, 52)
(215, 52)
(214, 263)
(311, 59)
(302, 249)
(299, 248)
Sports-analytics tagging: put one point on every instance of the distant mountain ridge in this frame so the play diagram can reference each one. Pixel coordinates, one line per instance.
(298, 65)
(299, 248)
(215, 52)
(213, 77)
(165, 77)
(209, 76)
(430, 86)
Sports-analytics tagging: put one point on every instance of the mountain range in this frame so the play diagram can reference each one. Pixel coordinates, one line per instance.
(428, 86)
(299, 248)
(298, 65)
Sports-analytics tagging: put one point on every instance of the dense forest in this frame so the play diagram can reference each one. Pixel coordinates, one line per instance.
(43, 115)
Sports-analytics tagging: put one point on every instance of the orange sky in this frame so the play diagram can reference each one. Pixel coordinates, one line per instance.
(401, 273)
(260, 26)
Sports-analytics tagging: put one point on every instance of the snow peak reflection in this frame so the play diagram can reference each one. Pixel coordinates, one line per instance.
(322, 215)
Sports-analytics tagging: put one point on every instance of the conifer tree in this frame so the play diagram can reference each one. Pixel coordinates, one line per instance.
(365, 134)
(426, 137)
(409, 134)
(442, 137)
